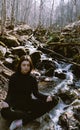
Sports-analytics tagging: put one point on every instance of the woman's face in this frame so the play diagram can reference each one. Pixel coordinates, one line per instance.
(25, 67)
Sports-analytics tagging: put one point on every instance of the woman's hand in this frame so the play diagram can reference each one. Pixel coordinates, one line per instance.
(49, 98)
(4, 104)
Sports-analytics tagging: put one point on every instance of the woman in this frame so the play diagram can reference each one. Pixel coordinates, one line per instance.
(19, 104)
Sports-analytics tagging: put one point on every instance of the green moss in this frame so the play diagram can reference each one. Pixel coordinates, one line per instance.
(53, 38)
(76, 59)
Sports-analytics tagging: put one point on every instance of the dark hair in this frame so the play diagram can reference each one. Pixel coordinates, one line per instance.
(25, 58)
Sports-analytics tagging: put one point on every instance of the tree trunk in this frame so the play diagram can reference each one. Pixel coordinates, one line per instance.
(3, 17)
(40, 14)
(51, 14)
(62, 13)
(12, 13)
(75, 9)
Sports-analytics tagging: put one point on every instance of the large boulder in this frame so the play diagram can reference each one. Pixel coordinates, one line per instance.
(69, 41)
(9, 40)
(20, 50)
(35, 56)
(70, 119)
(2, 52)
(71, 32)
(5, 73)
(11, 62)
(8, 62)
(23, 30)
(68, 96)
(60, 74)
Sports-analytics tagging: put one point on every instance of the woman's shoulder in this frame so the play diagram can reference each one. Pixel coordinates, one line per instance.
(13, 76)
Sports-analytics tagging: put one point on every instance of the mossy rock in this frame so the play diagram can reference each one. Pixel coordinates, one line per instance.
(76, 59)
(53, 38)
(23, 30)
(40, 32)
(9, 41)
(20, 50)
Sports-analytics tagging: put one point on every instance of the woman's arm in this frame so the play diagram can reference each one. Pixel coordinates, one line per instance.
(10, 90)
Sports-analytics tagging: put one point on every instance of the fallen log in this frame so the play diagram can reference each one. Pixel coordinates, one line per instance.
(63, 44)
(57, 55)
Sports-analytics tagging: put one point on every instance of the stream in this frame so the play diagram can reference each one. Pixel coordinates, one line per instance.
(63, 80)
(59, 108)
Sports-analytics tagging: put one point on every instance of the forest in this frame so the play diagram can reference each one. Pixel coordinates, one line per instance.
(49, 32)
(45, 13)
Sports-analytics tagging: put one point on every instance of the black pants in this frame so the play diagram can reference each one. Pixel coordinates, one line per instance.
(36, 109)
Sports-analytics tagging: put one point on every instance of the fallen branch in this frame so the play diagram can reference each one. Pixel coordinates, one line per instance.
(63, 44)
(57, 55)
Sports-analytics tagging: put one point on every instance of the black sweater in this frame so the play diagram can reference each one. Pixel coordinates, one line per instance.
(20, 89)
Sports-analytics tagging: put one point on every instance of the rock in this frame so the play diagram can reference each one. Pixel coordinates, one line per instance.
(6, 74)
(46, 64)
(63, 121)
(23, 30)
(3, 94)
(60, 74)
(9, 40)
(2, 44)
(68, 96)
(75, 103)
(49, 72)
(11, 62)
(40, 34)
(8, 62)
(76, 70)
(23, 40)
(35, 56)
(68, 121)
(71, 32)
(53, 38)
(5, 69)
(68, 43)
(8, 53)
(2, 52)
(76, 58)
(77, 113)
(19, 51)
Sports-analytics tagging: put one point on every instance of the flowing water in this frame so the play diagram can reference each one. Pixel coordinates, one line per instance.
(59, 108)
(61, 67)
(56, 112)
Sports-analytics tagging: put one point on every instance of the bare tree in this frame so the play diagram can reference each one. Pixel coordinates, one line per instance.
(35, 13)
(12, 13)
(75, 9)
(16, 11)
(62, 13)
(3, 17)
(51, 14)
(27, 9)
(40, 12)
